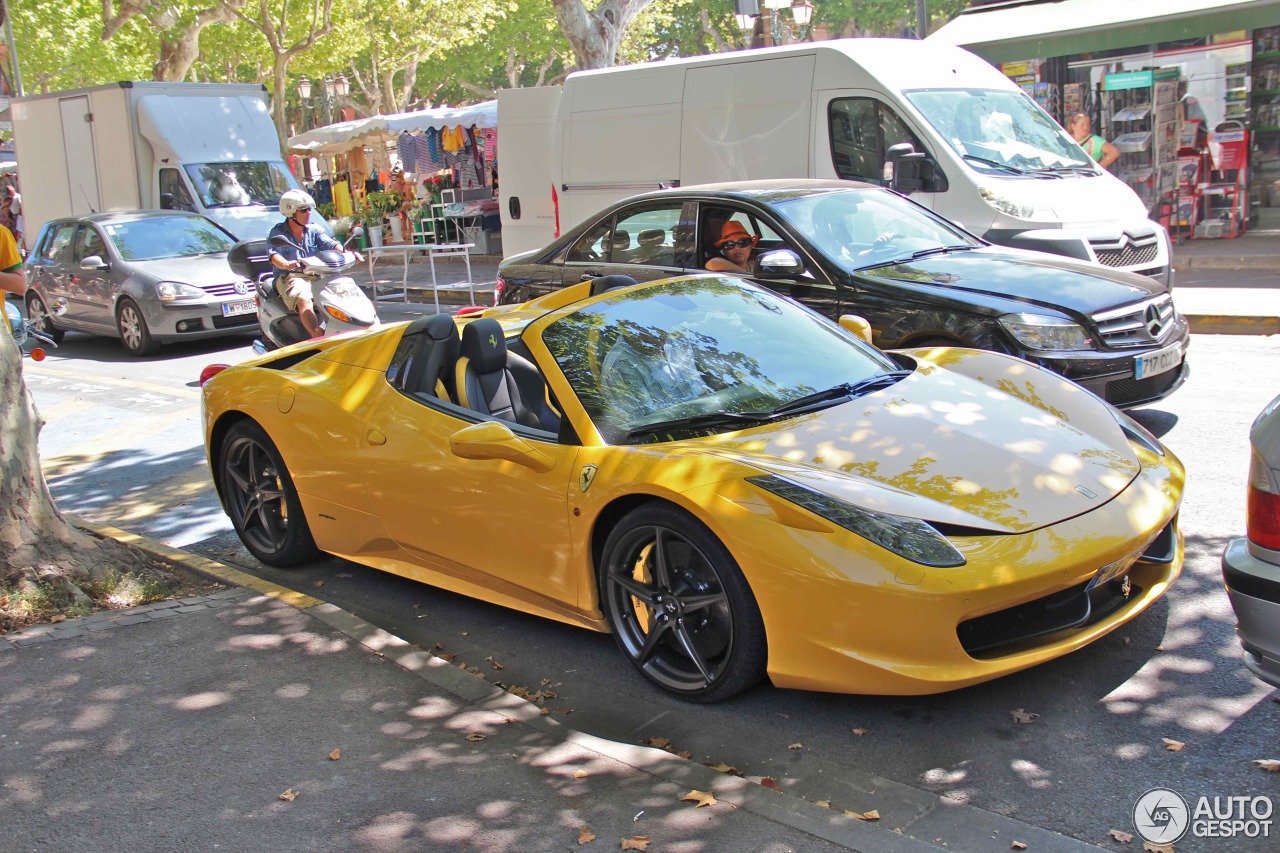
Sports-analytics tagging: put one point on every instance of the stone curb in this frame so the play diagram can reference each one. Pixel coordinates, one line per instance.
(1229, 324)
(1225, 262)
(921, 814)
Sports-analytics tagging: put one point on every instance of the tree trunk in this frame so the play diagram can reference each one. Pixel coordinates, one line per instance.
(595, 35)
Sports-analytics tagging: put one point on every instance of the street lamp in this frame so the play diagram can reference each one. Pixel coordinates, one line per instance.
(779, 31)
(327, 97)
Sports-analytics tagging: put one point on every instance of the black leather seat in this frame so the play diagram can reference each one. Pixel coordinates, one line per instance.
(494, 381)
(433, 351)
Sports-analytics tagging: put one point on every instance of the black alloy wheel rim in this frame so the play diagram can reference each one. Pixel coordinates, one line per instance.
(673, 617)
(255, 495)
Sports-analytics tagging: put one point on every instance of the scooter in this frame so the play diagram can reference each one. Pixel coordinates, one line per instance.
(340, 304)
(28, 332)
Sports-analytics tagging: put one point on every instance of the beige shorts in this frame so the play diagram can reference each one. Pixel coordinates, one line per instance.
(291, 286)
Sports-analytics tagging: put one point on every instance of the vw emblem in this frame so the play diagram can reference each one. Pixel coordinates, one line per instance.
(243, 286)
(1152, 321)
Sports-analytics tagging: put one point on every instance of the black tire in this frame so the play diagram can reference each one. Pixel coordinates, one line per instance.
(259, 496)
(679, 607)
(37, 310)
(134, 333)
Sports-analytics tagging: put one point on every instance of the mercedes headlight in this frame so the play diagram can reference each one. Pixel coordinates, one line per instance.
(171, 290)
(1042, 332)
(912, 538)
(1015, 207)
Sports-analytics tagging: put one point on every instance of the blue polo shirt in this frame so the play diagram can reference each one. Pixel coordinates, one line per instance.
(313, 240)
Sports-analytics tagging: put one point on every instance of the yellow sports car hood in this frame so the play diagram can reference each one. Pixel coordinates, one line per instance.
(970, 439)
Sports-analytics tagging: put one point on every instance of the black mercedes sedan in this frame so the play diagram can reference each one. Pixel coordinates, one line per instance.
(841, 247)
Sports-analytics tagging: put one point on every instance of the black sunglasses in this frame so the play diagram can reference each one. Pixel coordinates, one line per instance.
(740, 243)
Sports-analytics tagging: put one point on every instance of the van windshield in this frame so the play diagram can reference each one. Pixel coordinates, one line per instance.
(1000, 132)
(240, 184)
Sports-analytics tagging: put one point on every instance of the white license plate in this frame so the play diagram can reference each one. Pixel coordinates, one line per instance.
(1155, 363)
(240, 306)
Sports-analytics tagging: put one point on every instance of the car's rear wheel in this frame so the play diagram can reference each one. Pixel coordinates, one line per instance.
(679, 606)
(134, 333)
(39, 312)
(259, 496)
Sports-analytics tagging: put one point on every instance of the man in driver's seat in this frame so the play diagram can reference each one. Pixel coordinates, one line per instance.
(645, 376)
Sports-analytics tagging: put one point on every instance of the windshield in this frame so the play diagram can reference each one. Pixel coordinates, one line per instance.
(167, 237)
(1006, 129)
(864, 228)
(686, 348)
(240, 184)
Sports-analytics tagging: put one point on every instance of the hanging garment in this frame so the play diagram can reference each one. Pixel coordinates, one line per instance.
(490, 135)
(407, 146)
(322, 192)
(342, 199)
(381, 157)
(433, 149)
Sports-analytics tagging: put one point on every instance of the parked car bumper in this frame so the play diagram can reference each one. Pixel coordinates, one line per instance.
(1253, 586)
(174, 321)
(1112, 375)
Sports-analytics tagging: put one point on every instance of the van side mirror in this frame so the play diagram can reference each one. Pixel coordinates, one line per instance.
(907, 171)
(166, 201)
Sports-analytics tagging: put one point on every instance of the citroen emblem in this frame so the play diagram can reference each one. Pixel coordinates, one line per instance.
(493, 341)
(586, 477)
(1152, 321)
(1088, 494)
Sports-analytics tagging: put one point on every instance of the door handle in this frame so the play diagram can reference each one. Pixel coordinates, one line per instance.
(588, 275)
(376, 438)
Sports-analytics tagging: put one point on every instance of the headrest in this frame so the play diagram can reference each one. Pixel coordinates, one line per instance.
(438, 327)
(621, 239)
(483, 345)
(651, 236)
(609, 282)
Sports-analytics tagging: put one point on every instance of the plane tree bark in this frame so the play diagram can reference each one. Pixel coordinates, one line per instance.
(179, 35)
(595, 34)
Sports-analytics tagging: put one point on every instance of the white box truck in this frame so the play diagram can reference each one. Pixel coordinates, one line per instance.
(993, 160)
(207, 147)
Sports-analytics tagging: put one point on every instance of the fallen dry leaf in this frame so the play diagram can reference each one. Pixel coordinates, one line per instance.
(1152, 847)
(448, 657)
(493, 663)
(796, 746)
(826, 804)
(1172, 745)
(1018, 845)
(871, 815)
(1270, 765)
(335, 755)
(585, 836)
(60, 617)
(685, 754)
(769, 783)
(1021, 715)
(860, 732)
(659, 742)
(319, 584)
(640, 842)
(475, 737)
(702, 798)
(438, 646)
(290, 795)
(579, 774)
(725, 768)
(560, 709)
(1121, 836)
(545, 712)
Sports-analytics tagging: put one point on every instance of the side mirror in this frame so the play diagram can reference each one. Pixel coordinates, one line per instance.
(495, 440)
(856, 325)
(279, 241)
(58, 306)
(902, 167)
(166, 201)
(93, 262)
(780, 263)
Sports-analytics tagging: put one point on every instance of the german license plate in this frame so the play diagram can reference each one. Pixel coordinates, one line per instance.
(1160, 361)
(240, 306)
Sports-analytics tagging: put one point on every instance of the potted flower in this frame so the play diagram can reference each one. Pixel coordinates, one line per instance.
(383, 204)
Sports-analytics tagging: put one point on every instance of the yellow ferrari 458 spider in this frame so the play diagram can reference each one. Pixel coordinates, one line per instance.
(732, 485)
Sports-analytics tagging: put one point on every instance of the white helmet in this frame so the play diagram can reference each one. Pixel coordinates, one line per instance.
(294, 200)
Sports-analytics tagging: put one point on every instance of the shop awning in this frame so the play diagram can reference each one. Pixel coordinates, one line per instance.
(1038, 29)
(343, 136)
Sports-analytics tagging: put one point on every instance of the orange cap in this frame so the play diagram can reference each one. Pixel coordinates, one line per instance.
(732, 230)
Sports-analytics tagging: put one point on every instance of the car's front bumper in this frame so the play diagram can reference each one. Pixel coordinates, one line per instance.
(1253, 585)
(176, 321)
(1111, 374)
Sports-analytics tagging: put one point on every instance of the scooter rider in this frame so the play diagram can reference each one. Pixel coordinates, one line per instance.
(305, 240)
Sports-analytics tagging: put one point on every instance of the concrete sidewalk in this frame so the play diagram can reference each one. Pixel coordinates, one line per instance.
(259, 718)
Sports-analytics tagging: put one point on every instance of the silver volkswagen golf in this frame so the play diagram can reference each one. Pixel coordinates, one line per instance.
(1251, 565)
(145, 277)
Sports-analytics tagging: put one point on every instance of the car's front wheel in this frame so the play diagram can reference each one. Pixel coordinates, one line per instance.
(39, 312)
(134, 333)
(679, 606)
(261, 500)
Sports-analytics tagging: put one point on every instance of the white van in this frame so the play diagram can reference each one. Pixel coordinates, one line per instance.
(994, 161)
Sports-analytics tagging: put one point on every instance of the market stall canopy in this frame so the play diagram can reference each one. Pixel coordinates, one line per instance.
(1038, 29)
(337, 138)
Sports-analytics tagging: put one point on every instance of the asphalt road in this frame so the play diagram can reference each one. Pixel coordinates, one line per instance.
(122, 446)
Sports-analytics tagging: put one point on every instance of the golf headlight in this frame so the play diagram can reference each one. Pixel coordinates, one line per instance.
(1019, 208)
(1042, 332)
(171, 290)
(1137, 433)
(911, 538)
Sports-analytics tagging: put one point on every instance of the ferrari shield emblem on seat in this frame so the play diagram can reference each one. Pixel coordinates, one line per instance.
(587, 475)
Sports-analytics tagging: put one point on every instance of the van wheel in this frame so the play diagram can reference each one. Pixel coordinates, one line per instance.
(38, 311)
(133, 329)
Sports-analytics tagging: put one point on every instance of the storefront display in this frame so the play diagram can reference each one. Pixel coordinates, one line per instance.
(1142, 120)
(1265, 154)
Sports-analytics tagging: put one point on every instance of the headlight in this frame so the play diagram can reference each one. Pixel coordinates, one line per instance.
(346, 289)
(1137, 433)
(1040, 331)
(1014, 207)
(171, 290)
(907, 537)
